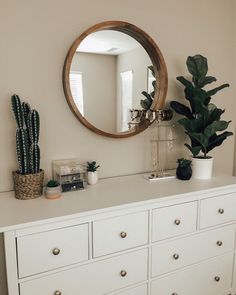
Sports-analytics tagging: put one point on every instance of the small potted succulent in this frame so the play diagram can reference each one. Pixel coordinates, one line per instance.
(28, 179)
(53, 190)
(184, 170)
(201, 118)
(92, 172)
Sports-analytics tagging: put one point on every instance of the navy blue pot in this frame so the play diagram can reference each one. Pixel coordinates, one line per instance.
(184, 173)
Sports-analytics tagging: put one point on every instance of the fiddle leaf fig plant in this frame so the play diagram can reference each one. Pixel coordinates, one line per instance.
(147, 102)
(201, 118)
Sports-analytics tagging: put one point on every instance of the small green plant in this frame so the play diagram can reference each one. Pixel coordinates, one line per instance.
(184, 162)
(202, 119)
(92, 166)
(147, 102)
(52, 183)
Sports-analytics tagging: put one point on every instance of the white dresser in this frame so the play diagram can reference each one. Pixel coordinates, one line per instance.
(124, 236)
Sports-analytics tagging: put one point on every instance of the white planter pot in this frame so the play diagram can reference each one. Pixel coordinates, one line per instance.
(202, 168)
(92, 177)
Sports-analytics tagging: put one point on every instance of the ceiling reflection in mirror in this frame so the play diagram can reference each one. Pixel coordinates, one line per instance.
(108, 73)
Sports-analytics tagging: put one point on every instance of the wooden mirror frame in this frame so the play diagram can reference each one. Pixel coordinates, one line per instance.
(155, 55)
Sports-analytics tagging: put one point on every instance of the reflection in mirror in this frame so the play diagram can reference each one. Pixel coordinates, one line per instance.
(108, 73)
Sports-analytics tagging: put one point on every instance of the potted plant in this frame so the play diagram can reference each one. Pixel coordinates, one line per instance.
(53, 189)
(28, 179)
(184, 170)
(92, 172)
(202, 119)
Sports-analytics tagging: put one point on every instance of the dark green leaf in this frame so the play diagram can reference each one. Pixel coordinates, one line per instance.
(185, 82)
(197, 66)
(206, 80)
(181, 109)
(215, 90)
(215, 127)
(200, 138)
(191, 125)
(148, 96)
(217, 140)
(194, 150)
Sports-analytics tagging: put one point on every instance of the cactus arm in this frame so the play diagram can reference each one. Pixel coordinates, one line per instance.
(34, 158)
(17, 110)
(26, 111)
(34, 125)
(22, 147)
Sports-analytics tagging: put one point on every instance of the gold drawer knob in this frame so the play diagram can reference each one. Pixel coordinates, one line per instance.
(176, 256)
(217, 279)
(57, 292)
(123, 273)
(123, 234)
(221, 211)
(177, 221)
(56, 251)
(219, 243)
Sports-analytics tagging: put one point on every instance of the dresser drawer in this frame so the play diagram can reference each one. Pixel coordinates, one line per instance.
(48, 250)
(176, 254)
(141, 290)
(97, 278)
(174, 220)
(209, 278)
(217, 210)
(120, 233)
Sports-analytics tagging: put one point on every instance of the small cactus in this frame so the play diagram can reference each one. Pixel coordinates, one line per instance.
(27, 136)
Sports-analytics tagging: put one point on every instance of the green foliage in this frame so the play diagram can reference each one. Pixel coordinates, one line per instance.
(184, 162)
(27, 136)
(92, 166)
(202, 119)
(52, 183)
(147, 102)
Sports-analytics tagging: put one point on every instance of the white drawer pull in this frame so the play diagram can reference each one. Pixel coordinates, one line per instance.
(123, 234)
(177, 221)
(56, 251)
(221, 211)
(176, 256)
(217, 279)
(57, 293)
(219, 243)
(123, 273)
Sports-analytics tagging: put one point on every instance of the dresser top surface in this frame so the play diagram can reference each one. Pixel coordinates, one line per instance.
(107, 194)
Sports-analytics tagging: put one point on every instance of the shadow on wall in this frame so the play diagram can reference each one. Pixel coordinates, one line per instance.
(3, 281)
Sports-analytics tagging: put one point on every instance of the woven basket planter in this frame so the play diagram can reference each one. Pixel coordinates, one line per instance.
(28, 186)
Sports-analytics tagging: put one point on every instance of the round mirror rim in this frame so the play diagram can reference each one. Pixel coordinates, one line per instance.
(156, 58)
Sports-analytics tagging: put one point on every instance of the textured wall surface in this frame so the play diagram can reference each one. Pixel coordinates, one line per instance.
(35, 38)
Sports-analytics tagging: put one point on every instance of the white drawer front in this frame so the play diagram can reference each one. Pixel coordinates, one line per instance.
(198, 280)
(39, 252)
(97, 278)
(141, 290)
(176, 254)
(174, 220)
(217, 210)
(120, 233)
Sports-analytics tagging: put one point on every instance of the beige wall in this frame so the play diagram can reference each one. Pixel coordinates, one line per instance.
(99, 88)
(35, 37)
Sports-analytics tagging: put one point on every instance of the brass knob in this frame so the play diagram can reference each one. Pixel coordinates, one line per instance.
(219, 243)
(176, 256)
(217, 279)
(55, 252)
(57, 292)
(177, 221)
(123, 273)
(123, 234)
(221, 211)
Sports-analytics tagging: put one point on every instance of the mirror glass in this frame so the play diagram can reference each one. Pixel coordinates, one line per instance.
(108, 72)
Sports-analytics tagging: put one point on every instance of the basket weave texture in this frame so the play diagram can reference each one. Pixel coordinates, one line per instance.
(28, 186)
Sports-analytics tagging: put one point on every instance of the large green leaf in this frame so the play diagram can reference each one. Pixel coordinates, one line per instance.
(200, 138)
(215, 90)
(214, 127)
(217, 140)
(194, 150)
(185, 82)
(206, 80)
(181, 109)
(197, 66)
(194, 125)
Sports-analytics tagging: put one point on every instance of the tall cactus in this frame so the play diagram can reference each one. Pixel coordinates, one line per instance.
(27, 136)
(34, 125)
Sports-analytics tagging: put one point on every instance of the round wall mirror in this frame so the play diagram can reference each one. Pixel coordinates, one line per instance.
(108, 72)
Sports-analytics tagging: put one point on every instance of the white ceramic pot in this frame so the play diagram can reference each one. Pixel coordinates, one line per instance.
(202, 168)
(92, 177)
